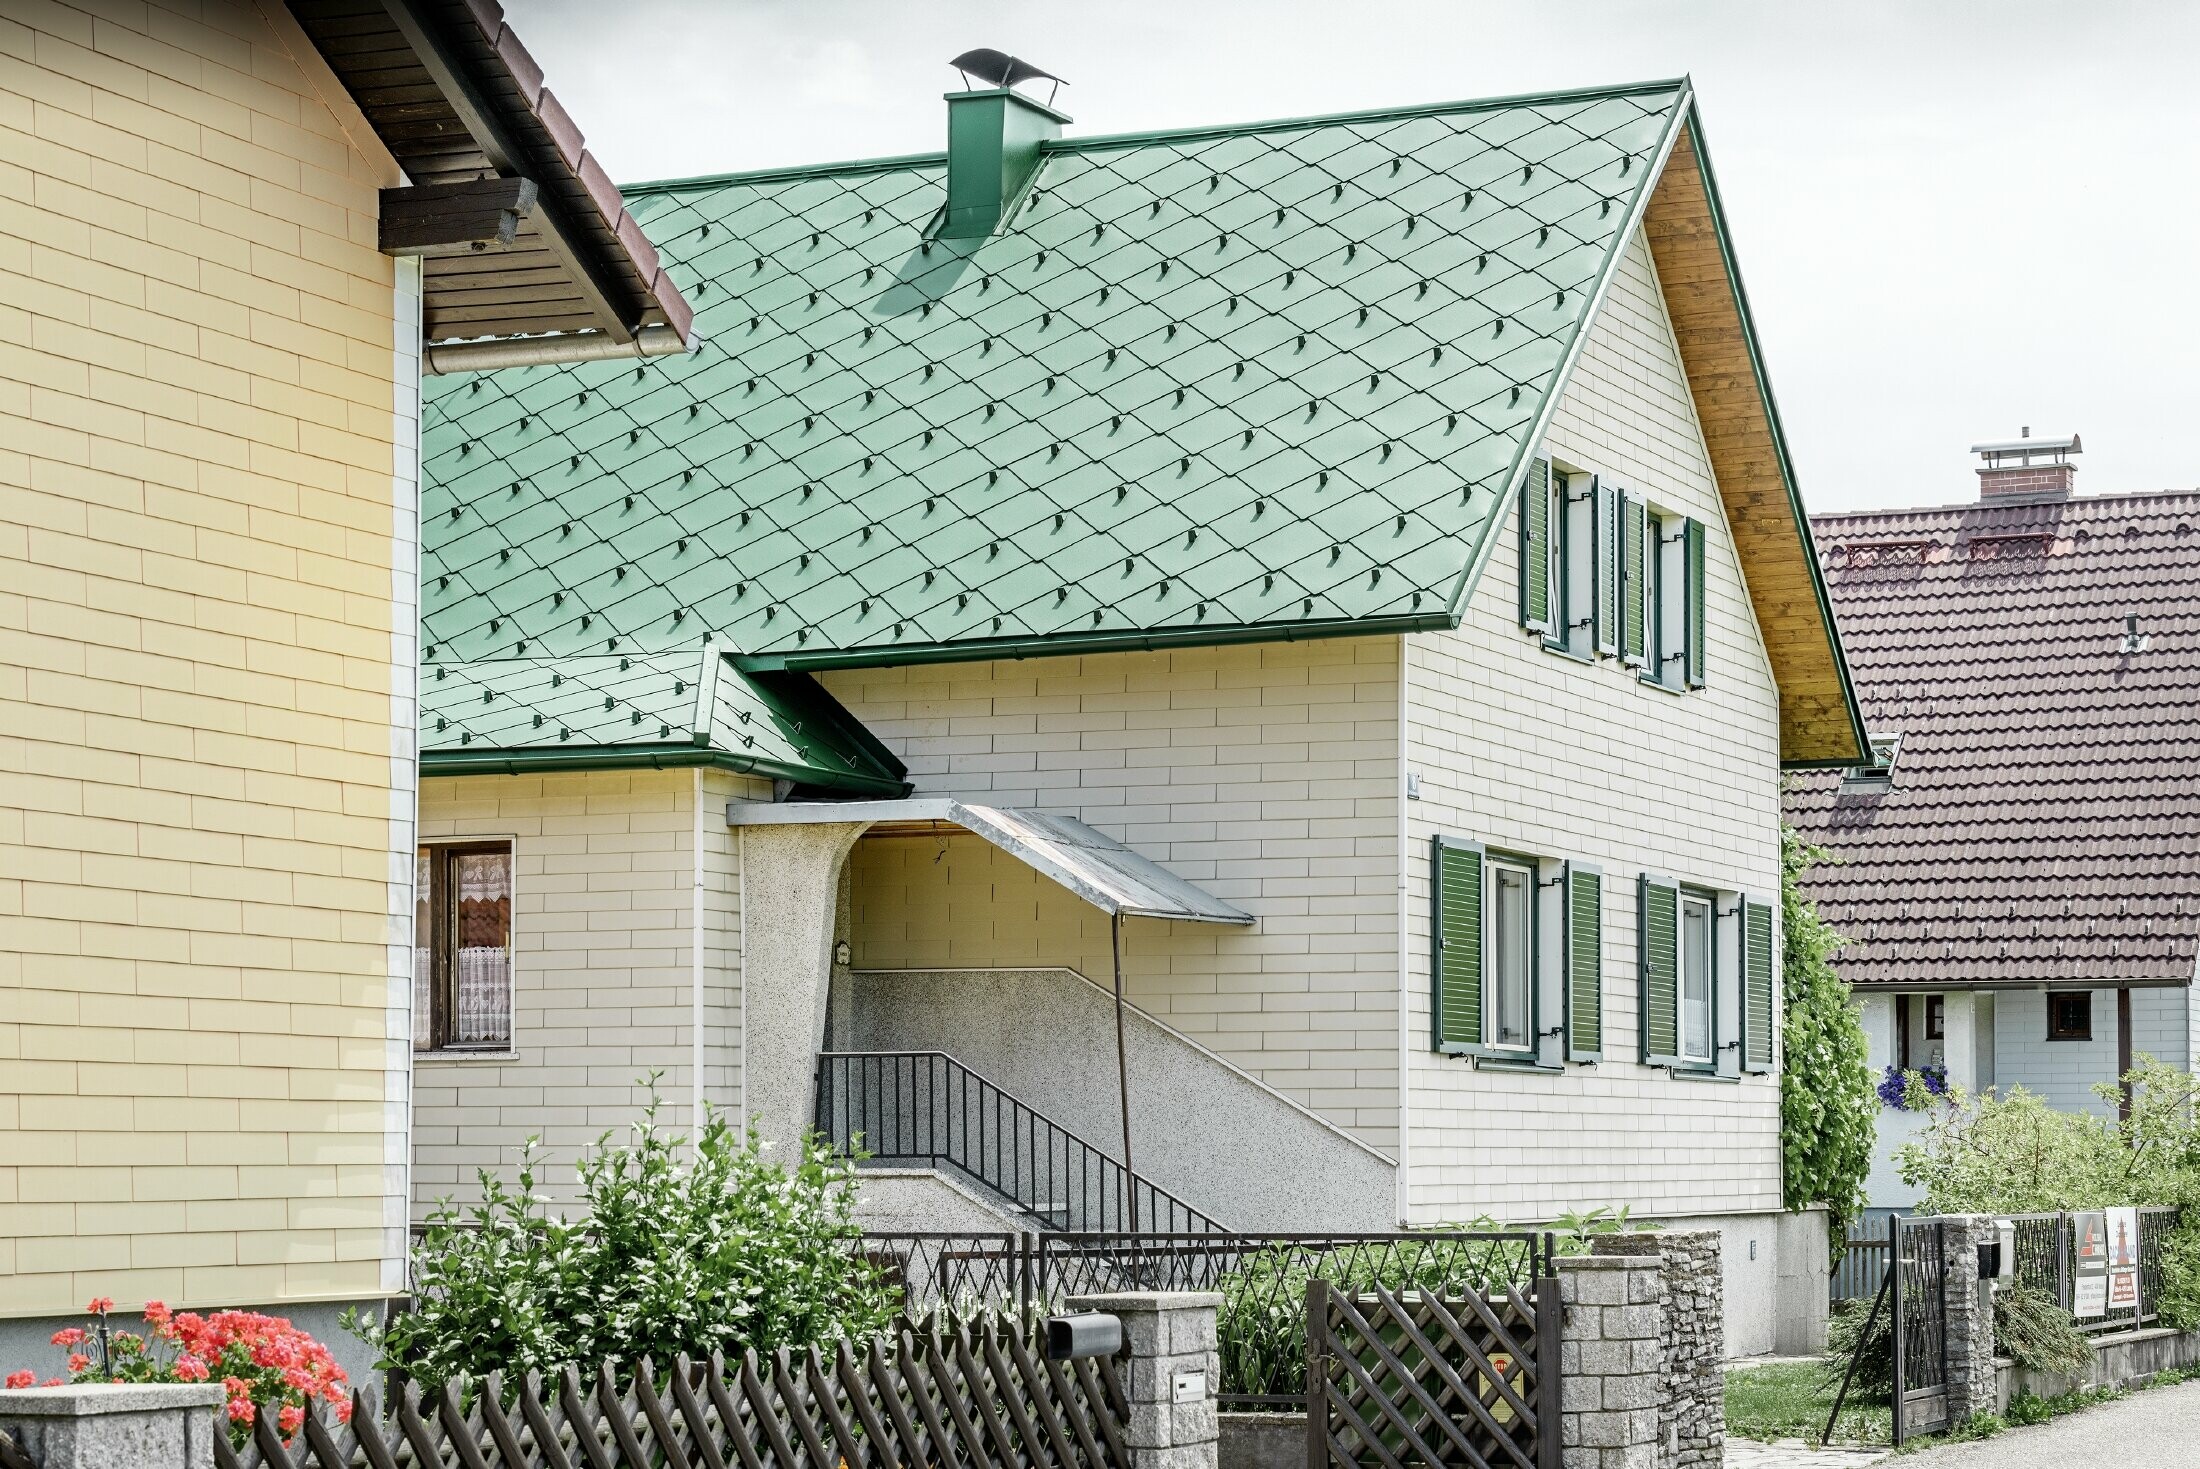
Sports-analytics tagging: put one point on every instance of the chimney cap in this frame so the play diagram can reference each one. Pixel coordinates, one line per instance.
(1000, 69)
(2053, 450)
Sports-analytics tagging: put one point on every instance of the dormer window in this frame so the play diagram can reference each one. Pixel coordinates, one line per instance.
(1879, 773)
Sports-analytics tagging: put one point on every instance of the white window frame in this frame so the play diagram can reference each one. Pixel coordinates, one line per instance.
(1495, 868)
(1692, 900)
(485, 1051)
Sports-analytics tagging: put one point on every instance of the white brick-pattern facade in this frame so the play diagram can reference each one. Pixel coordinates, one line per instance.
(1524, 749)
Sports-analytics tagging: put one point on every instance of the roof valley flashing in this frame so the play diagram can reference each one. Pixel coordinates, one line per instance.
(1188, 388)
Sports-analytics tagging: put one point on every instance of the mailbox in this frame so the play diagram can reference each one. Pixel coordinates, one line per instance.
(1997, 1257)
(1091, 1334)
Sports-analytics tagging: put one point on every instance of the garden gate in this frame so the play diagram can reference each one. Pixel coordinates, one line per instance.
(1448, 1381)
(1917, 1280)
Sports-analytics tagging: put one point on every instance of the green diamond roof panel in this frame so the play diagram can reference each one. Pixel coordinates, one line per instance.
(1263, 382)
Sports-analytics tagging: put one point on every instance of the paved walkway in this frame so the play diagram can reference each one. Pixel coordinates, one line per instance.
(1794, 1453)
(2155, 1429)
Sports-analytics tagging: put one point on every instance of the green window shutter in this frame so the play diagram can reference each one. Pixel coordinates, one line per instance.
(1535, 548)
(1584, 962)
(1604, 509)
(1758, 959)
(1634, 521)
(1456, 957)
(1693, 546)
(1658, 910)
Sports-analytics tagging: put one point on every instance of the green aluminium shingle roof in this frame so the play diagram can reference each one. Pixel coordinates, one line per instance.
(1198, 387)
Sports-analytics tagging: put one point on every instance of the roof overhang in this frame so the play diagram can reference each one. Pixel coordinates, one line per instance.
(1820, 722)
(1097, 868)
(519, 229)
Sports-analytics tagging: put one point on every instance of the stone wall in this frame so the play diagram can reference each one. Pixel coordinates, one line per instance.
(1691, 1342)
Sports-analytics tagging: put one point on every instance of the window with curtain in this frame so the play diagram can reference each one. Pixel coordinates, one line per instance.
(462, 955)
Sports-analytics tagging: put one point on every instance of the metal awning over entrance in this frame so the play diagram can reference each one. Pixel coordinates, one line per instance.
(1097, 868)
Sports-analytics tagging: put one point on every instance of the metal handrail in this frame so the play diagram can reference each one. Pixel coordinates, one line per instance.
(925, 1106)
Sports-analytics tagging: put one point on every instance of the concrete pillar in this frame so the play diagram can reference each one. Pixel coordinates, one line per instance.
(115, 1425)
(1691, 1341)
(1959, 1039)
(1969, 1306)
(790, 883)
(1800, 1317)
(1172, 1375)
(1611, 1359)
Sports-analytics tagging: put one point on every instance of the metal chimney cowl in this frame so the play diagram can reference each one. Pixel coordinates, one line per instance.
(993, 139)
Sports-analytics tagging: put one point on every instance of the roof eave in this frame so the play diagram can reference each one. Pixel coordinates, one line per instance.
(650, 757)
(1799, 517)
(1064, 645)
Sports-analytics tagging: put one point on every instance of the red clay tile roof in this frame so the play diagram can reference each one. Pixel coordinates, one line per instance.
(2043, 820)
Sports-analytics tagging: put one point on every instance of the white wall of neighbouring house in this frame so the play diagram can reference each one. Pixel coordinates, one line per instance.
(605, 978)
(1267, 774)
(1524, 749)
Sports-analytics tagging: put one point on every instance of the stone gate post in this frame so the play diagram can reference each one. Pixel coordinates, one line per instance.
(1171, 1378)
(1610, 1360)
(114, 1426)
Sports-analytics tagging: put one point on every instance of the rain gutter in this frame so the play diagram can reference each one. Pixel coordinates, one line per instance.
(980, 650)
(649, 757)
(656, 340)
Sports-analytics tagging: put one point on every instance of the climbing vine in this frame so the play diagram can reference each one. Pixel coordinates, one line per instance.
(1828, 1108)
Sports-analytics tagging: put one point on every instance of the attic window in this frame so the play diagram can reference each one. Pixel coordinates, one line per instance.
(1879, 773)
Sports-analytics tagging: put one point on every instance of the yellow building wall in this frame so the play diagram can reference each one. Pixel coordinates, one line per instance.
(208, 390)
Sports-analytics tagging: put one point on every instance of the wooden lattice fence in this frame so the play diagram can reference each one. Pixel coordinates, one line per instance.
(973, 1395)
(1436, 1381)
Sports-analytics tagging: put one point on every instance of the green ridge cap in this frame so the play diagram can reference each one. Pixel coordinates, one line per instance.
(1265, 382)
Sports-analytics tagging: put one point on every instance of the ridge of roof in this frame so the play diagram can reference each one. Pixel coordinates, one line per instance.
(1195, 133)
(1955, 507)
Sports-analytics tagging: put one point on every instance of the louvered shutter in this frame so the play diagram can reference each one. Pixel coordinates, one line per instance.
(1758, 958)
(1456, 960)
(1657, 907)
(1692, 545)
(1634, 522)
(1604, 509)
(1535, 548)
(1584, 962)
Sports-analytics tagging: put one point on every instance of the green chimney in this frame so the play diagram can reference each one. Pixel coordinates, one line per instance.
(993, 140)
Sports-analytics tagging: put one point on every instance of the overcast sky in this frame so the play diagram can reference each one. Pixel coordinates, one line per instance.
(1954, 219)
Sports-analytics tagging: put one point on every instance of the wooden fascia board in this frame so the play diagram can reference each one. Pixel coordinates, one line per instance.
(1820, 723)
(504, 154)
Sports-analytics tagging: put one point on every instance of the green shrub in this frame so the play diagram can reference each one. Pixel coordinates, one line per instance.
(2035, 1332)
(668, 1254)
(1874, 1378)
(1829, 1111)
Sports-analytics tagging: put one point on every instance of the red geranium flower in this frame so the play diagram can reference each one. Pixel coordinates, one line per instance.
(101, 1305)
(23, 1378)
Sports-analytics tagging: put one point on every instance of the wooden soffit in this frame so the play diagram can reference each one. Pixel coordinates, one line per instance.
(1819, 721)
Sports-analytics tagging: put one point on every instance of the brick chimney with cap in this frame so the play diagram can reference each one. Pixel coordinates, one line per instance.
(2027, 469)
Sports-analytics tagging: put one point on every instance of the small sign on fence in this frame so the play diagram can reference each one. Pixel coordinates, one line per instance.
(2123, 1259)
(2089, 1278)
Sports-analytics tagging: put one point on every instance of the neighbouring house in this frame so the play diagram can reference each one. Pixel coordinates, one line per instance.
(227, 229)
(1339, 579)
(2014, 867)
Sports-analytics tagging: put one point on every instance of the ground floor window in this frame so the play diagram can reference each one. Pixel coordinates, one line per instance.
(1512, 956)
(2070, 1015)
(462, 947)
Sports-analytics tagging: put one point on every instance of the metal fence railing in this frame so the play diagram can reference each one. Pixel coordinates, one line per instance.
(1862, 1261)
(2047, 1257)
(927, 1107)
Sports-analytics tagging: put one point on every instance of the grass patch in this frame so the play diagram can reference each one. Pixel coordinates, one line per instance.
(1792, 1399)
